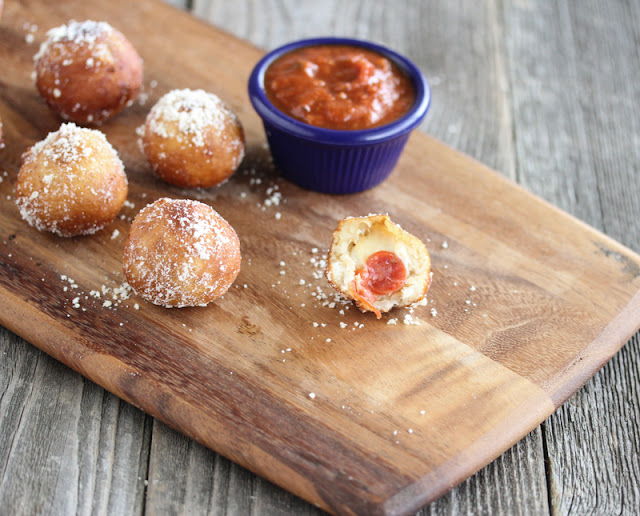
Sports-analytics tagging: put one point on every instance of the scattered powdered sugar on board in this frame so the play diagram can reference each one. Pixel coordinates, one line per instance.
(31, 28)
(301, 280)
(143, 96)
(109, 296)
(267, 187)
(409, 319)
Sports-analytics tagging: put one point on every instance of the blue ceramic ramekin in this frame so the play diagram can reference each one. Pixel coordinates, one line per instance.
(329, 160)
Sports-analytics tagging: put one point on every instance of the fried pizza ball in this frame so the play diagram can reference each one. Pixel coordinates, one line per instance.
(378, 264)
(71, 183)
(193, 139)
(181, 253)
(87, 71)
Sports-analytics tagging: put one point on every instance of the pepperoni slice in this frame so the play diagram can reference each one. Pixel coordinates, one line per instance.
(386, 273)
(383, 274)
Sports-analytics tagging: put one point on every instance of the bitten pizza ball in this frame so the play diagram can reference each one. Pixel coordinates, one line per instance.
(71, 183)
(378, 264)
(193, 139)
(181, 253)
(87, 71)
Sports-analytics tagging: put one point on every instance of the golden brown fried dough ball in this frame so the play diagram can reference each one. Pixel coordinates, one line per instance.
(181, 253)
(193, 139)
(87, 71)
(71, 183)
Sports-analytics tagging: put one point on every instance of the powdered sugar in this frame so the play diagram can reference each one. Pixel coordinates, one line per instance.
(194, 112)
(84, 33)
(411, 320)
(67, 146)
(110, 297)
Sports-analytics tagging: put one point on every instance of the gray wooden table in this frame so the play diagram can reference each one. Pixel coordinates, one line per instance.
(547, 93)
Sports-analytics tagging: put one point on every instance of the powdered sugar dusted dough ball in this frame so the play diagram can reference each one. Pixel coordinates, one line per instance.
(193, 139)
(181, 253)
(87, 71)
(71, 183)
(378, 264)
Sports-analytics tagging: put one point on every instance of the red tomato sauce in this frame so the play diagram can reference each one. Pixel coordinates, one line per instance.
(339, 87)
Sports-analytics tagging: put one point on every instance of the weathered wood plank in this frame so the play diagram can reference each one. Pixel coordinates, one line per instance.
(182, 4)
(70, 447)
(512, 484)
(208, 483)
(575, 77)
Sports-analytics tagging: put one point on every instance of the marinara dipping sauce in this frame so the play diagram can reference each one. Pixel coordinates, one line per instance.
(339, 87)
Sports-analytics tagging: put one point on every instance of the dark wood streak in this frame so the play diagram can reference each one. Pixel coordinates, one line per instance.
(154, 359)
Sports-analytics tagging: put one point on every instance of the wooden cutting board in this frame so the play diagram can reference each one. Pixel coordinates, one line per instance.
(530, 302)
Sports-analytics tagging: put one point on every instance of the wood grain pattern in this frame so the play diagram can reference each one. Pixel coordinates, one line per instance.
(210, 484)
(100, 418)
(472, 255)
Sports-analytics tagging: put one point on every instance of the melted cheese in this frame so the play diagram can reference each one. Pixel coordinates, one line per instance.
(378, 239)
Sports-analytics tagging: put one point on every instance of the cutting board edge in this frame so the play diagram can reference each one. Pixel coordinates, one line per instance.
(596, 355)
(71, 349)
(530, 414)
(553, 394)
(74, 349)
